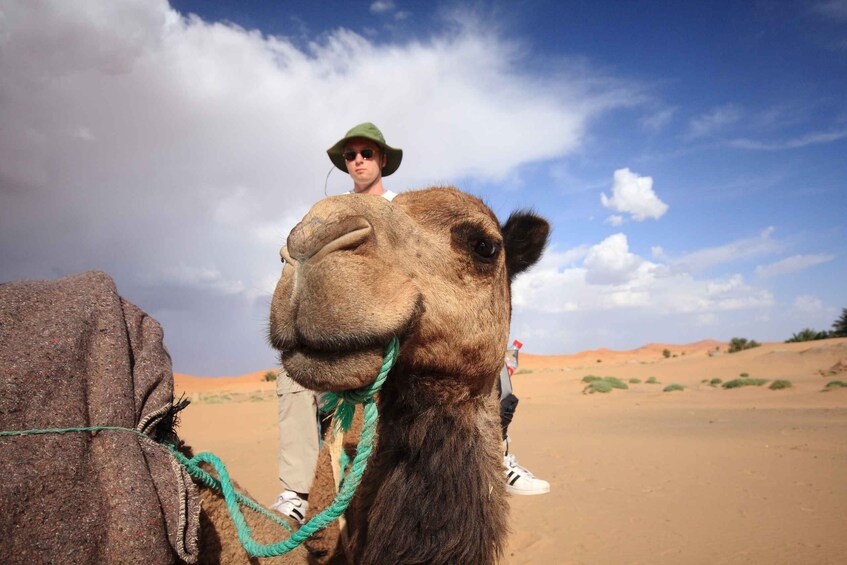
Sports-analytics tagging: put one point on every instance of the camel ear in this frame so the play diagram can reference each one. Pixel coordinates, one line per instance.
(524, 239)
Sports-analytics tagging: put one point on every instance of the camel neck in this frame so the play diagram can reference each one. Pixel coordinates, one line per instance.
(436, 475)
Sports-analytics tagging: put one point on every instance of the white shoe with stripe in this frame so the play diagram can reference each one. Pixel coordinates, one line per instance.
(289, 503)
(519, 480)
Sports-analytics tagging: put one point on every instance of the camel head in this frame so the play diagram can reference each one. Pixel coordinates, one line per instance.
(432, 267)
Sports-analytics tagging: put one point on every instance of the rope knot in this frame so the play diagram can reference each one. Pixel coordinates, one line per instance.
(343, 403)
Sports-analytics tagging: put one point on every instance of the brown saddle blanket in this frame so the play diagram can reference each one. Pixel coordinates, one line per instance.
(73, 353)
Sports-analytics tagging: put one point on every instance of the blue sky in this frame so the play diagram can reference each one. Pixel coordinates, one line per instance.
(690, 156)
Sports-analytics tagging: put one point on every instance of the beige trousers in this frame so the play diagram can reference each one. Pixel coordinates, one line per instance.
(299, 433)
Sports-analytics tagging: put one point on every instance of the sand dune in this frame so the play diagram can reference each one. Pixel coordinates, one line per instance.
(704, 475)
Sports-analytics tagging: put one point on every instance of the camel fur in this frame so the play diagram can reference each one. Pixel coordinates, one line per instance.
(434, 268)
(219, 543)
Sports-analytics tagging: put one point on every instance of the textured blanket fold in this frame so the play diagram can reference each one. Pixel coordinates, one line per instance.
(73, 353)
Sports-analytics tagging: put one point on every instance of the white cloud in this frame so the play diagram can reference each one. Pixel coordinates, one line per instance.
(792, 264)
(657, 252)
(610, 262)
(808, 304)
(133, 137)
(200, 278)
(814, 138)
(738, 250)
(614, 220)
(831, 9)
(633, 194)
(658, 120)
(613, 295)
(706, 320)
(612, 277)
(713, 121)
(382, 6)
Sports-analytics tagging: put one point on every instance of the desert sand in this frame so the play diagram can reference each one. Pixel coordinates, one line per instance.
(704, 475)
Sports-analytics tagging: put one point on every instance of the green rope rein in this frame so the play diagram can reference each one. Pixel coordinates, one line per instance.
(343, 403)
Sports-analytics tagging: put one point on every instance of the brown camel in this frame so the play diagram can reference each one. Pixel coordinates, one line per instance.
(433, 268)
(218, 537)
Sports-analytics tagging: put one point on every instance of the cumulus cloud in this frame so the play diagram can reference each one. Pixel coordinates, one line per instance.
(610, 276)
(610, 261)
(792, 264)
(633, 194)
(612, 294)
(135, 138)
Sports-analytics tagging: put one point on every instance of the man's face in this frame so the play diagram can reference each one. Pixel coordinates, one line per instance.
(364, 171)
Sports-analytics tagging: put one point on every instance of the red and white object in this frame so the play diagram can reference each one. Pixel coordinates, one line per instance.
(512, 357)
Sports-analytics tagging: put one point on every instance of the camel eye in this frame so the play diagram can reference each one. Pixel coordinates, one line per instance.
(486, 249)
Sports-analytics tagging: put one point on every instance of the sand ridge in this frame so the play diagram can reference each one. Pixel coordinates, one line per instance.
(703, 475)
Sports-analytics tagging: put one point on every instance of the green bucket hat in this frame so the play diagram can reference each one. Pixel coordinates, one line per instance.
(370, 132)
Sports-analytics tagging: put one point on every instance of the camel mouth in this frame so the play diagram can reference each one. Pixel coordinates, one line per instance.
(323, 370)
(327, 362)
(321, 352)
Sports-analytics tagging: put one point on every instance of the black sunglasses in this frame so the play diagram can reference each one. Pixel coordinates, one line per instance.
(366, 154)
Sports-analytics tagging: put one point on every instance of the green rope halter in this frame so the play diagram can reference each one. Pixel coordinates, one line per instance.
(343, 403)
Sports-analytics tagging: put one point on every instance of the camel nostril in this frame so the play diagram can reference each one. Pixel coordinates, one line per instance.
(317, 238)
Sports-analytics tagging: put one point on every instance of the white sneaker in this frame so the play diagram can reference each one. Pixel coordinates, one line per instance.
(519, 480)
(289, 503)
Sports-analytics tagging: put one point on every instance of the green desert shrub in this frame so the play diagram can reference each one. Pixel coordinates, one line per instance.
(839, 326)
(716, 381)
(780, 384)
(610, 382)
(652, 381)
(598, 386)
(616, 383)
(673, 387)
(743, 375)
(523, 371)
(216, 398)
(807, 334)
(737, 344)
(634, 381)
(835, 384)
(666, 353)
(270, 376)
(737, 383)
